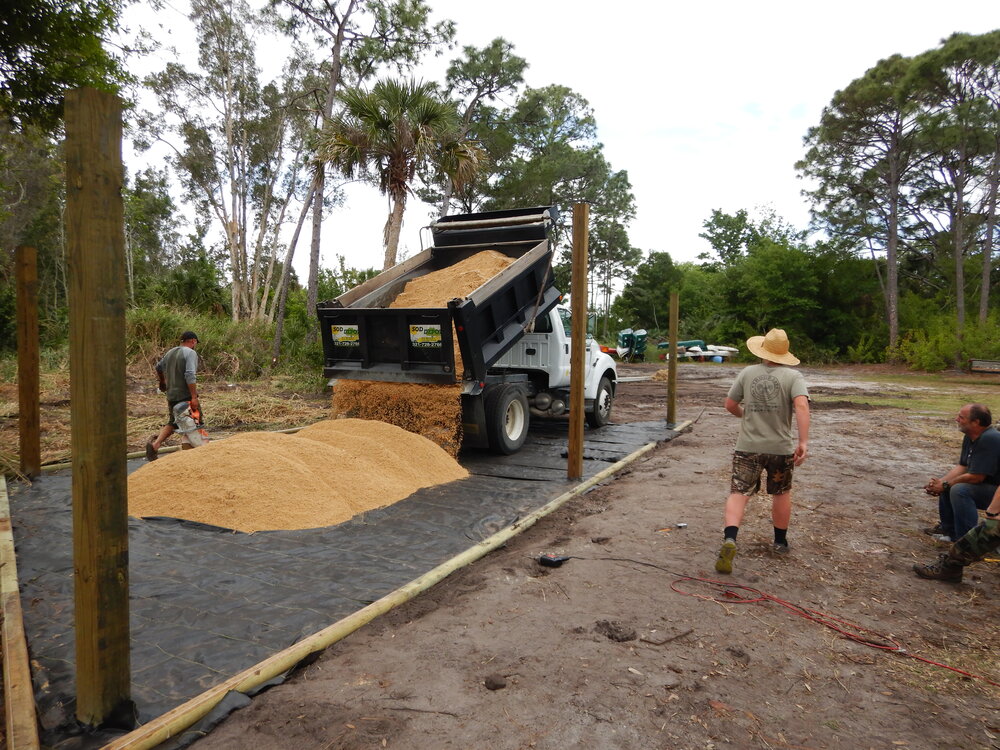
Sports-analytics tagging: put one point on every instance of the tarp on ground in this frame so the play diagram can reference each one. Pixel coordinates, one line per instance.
(207, 603)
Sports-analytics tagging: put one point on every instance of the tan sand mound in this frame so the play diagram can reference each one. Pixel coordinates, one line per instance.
(431, 411)
(434, 411)
(261, 481)
(663, 375)
(400, 454)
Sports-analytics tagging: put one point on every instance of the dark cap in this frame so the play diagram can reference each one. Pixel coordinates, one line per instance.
(188, 335)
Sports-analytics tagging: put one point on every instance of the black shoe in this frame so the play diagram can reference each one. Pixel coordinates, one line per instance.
(942, 570)
(935, 529)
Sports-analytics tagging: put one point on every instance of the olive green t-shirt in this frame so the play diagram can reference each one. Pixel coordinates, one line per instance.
(767, 393)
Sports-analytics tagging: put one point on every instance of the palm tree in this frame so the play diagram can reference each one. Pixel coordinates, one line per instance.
(388, 134)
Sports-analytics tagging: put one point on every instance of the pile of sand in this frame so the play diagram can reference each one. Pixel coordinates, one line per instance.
(321, 476)
(457, 281)
(663, 375)
(434, 411)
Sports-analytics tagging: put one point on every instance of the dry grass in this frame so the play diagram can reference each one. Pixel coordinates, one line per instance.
(228, 408)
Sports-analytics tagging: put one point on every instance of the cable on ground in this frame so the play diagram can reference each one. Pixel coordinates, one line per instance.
(737, 593)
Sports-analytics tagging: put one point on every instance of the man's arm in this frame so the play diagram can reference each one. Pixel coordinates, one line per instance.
(734, 408)
(958, 474)
(190, 375)
(801, 405)
(993, 510)
(159, 375)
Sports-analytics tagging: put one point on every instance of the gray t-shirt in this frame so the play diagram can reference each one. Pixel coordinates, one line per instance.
(179, 367)
(767, 393)
(983, 455)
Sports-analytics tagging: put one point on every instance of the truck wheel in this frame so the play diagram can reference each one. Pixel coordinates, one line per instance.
(507, 418)
(600, 414)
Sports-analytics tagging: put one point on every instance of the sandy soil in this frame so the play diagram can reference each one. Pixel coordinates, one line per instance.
(630, 644)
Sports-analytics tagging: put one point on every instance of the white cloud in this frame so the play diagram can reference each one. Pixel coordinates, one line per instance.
(704, 104)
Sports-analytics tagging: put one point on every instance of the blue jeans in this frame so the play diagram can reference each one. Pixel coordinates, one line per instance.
(959, 507)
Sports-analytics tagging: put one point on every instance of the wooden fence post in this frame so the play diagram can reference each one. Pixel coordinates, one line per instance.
(29, 422)
(95, 262)
(672, 364)
(578, 339)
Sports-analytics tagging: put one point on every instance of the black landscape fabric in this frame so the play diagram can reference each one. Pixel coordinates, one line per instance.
(207, 603)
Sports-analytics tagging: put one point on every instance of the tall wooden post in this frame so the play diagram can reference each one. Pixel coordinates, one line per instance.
(672, 364)
(578, 339)
(29, 422)
(95, 241)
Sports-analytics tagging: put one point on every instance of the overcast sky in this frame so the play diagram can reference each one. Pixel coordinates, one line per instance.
(704, 104)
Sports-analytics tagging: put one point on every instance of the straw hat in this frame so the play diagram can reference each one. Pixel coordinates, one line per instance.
(773, 347)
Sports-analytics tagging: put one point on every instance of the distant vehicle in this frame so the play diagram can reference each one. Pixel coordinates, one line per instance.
(698, 351)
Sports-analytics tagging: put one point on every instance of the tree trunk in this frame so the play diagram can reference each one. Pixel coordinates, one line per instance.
(286, 275)
(317, 233)
(958, 254)
(320, 180)
(891, 260)
(991, 219)
(393, 226)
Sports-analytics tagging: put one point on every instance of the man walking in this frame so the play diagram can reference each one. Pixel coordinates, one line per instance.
(969, 486)
(176, 372)
(764, 397)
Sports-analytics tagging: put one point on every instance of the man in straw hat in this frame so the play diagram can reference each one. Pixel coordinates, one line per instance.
(764, 397)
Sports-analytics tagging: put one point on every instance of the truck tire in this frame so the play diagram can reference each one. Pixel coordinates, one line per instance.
(507, 418)
(600, 413)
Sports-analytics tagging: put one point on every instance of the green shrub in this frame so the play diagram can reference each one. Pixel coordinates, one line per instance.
(869, 349)
(936, 347)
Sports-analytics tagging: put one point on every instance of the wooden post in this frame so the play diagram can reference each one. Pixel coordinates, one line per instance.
(672, 364)
(578, 339)
(95, 259)
(29, 422)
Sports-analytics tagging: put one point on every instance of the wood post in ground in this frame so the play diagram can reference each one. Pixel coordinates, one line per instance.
(95, 259)
(672, 363)
(29, 422)
(578, 339)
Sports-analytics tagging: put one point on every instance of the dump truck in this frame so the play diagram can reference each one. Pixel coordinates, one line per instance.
(512, 334)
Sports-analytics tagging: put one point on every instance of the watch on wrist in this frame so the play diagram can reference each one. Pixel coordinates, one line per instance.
(945, 486)
(992, 515)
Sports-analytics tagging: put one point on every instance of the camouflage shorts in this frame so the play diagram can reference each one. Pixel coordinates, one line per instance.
(747, 468)
(981, 541)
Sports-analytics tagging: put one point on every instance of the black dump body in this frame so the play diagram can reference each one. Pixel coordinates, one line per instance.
(365, 339)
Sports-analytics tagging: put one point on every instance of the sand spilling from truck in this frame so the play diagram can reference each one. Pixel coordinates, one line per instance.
(434, 411)
(321, 476)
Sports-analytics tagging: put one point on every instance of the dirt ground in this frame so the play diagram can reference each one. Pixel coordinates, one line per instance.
(631, 643)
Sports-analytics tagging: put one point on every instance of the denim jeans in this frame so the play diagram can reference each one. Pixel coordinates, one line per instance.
(959, 507)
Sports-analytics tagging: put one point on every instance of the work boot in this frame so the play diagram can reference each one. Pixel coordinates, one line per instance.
(726, 554)
(943, 570)
(151, 453)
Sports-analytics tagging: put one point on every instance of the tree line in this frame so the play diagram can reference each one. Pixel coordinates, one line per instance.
(902, 174)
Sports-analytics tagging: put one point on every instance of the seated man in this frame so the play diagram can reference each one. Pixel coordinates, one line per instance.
(969, 486)
(974, 546)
